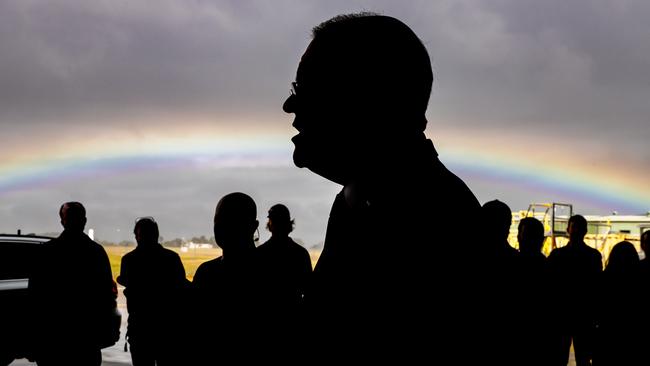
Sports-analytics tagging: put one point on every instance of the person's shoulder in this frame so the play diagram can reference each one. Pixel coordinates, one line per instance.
(558, 253)
(168, 253)
(297, 248)
(264, 247)
(206, 271)
(594, 253)
(211, 265)
(129, 256)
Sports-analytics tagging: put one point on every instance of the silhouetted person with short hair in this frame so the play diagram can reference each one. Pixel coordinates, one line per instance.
(394, 249)
(575, 275)
(534, 302)
(285, 268)
(227, 288)
(154, 281)
(619, 329)
(502, 280)
(286, 265)
(72, 295)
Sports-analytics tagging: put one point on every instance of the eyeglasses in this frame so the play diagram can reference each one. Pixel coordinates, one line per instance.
(294, 89)
(148, 218)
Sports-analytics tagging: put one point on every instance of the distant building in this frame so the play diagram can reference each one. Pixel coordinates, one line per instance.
(192, 245)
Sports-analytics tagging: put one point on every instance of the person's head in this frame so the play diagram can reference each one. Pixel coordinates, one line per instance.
(645, 243)
(280, 222)
(235, 221)
(497, 218)
(622, 259)
(362, 84)
(73, 216)
(530, 235)
(146, 231)
(577, 228)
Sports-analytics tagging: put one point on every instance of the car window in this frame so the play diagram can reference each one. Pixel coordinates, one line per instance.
(16, 259)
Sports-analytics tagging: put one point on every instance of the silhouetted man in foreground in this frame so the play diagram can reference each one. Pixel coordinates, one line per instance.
(154, 281)
(227, 288)
(391, 281)
(575, 272)
(72, 295)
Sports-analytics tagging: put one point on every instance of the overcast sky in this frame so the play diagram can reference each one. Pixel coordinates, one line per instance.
(565, 78)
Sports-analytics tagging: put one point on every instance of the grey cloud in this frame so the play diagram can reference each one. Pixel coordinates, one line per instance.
(182, 200)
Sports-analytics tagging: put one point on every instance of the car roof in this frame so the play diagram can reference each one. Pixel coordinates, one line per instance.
(27, 239)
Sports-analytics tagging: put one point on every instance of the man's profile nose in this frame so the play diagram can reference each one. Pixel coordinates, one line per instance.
(289, 105)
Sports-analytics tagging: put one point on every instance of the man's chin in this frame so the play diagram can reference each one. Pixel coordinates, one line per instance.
(299, 159)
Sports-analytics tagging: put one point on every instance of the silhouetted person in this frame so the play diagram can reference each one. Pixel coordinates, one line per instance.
(154, 281)
(644, 317)
(575, 275)
(395, 246)
(502, 280)
(645, 246)
(534, 303)
(227, 288)
(619, 328)
(72, 295)
(286, 264)
(285, 268)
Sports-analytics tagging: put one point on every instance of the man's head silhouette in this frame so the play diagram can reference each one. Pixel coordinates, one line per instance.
(645, 243)
(577, 228)
(530, 235)
(73, 216)
(280, 222)
(361, 91)
(498, 219)
(146, 231)
(235, 221)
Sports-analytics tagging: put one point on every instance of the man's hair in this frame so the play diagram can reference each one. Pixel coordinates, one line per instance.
(74, 209)
(579, 221)
(534, 230)
(498, 214)
(147, 226)
(645, 237)
(380, 60)
(281, 218)
(237, 207)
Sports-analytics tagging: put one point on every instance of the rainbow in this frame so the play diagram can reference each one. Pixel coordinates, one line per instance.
(469, 158)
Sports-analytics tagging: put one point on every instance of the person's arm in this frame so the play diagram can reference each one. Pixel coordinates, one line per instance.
(123, 278)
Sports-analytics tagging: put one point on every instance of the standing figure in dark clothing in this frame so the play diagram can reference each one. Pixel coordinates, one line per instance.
(645, 246)
(619, 329)
(534, 302)
(502, 279)
(285, 268)
(154, 281)
(575, 274)
(393, 281)
(72, 294)
(644, 279)
(227, 288)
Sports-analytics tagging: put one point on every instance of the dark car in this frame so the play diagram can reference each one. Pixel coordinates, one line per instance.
(17, 256)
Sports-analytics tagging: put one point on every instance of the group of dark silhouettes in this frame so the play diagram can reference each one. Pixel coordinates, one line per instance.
(413, 269)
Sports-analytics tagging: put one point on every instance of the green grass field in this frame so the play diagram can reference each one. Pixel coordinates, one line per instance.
(191, 259)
